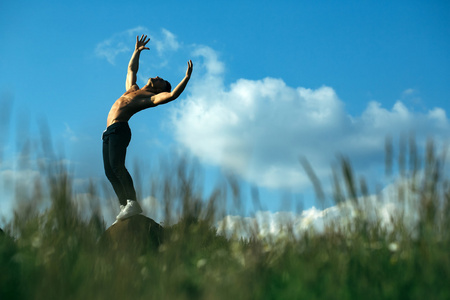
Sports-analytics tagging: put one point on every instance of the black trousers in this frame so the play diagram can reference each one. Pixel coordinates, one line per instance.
(116, 139)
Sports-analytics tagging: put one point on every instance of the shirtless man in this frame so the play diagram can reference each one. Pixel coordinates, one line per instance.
(117, 135)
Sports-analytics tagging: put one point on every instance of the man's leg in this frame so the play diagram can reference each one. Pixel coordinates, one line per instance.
(118, 143)
(118, 139)
(115, 182)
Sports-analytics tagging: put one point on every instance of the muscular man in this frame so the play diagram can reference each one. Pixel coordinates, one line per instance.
(117, 135)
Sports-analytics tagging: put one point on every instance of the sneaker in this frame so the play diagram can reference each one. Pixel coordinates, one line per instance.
(132, 208)
(122, 207)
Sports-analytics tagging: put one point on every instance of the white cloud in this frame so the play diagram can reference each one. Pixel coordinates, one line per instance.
(408, 92)
(122, 42)
(258, 129)
(212, 64)
(275, 224)
(382, 209)
(167, 43)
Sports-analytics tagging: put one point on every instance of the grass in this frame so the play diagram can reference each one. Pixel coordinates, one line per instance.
(55, 254)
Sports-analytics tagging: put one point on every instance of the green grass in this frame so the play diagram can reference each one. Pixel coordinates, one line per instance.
(55, 253)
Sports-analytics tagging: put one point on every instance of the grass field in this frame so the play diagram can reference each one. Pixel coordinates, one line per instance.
(55, 253)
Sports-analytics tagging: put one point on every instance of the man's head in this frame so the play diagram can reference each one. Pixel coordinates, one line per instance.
(159, 85)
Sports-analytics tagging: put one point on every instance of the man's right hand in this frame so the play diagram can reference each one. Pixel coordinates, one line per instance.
(140, 43)
(133, 65)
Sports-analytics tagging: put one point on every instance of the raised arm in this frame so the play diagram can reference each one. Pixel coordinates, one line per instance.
(133, 66)
(165, 97)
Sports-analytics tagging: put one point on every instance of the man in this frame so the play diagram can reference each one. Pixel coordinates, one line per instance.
(117, 135)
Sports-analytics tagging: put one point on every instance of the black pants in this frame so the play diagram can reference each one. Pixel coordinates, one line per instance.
(116, 139)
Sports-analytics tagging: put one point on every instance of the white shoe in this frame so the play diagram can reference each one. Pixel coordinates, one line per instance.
(131, 209)
(122, 207)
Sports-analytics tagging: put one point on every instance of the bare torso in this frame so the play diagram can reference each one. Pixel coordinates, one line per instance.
(127, 105)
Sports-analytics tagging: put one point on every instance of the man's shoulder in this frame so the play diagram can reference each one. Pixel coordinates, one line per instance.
(132, 89)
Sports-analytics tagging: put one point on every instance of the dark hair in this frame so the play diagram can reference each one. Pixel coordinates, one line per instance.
(168, 87)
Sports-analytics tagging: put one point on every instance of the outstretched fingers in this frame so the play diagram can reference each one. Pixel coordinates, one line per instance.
(144, 39)
(141, 42)
(190, 67)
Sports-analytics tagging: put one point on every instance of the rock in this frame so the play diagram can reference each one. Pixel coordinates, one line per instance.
(138, 233)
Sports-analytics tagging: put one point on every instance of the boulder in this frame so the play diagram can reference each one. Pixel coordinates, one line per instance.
(138, 233)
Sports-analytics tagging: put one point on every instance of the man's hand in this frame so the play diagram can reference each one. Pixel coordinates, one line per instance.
(189, 69)
(140, 43)
(133, 65)
(164, 97)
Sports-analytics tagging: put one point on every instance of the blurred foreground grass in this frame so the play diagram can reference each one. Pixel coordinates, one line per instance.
(55, 254)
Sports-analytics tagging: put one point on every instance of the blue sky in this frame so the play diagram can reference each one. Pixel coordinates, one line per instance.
(272, 81)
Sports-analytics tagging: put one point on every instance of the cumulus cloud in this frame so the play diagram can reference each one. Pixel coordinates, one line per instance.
(258, 129)
(277, 224)
(266, 223)
(383, 209)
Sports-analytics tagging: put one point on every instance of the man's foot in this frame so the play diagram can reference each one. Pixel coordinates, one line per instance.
(131, 209)
(121, 209)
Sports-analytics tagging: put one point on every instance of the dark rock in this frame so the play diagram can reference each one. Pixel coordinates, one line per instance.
(138, 233)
